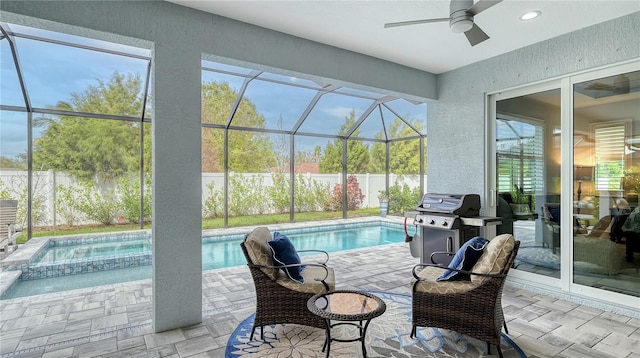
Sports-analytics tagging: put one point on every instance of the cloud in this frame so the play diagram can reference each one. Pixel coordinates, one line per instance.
(340, 112)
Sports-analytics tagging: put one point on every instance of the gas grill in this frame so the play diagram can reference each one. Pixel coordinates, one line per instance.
(446, 222)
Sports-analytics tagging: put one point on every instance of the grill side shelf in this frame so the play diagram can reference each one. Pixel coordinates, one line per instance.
(481, 220)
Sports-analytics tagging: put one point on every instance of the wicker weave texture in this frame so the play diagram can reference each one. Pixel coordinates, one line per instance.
(276, 304)
(476, 313)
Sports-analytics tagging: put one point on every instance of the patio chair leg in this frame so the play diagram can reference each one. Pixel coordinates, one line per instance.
(252, 331)
(262, 333)
(413, 331)
(499, 351)
(488, 348)
(505, 327)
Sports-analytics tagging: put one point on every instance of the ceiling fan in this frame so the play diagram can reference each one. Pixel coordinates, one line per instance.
(460, 19)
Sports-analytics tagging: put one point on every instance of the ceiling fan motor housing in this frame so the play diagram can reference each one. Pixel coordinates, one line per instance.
(460, 20)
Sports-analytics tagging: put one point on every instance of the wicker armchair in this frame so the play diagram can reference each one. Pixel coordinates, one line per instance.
(473, 307)
(279, 299)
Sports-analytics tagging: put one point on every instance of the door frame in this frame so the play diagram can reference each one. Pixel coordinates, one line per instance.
(565, 84)
(491, 180)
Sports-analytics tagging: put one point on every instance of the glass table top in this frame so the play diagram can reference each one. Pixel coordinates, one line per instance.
(344, 304)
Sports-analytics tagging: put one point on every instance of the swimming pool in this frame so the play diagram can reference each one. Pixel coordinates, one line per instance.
(87, 262)
(56, 253)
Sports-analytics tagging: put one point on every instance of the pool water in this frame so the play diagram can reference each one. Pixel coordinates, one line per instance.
(217, 253)
(227, 253)
(95, 250)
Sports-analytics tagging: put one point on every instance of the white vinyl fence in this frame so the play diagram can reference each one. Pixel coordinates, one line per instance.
(13, 185)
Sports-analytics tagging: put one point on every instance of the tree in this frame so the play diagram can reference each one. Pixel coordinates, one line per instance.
(281, 148)
(248, 151)
(357, 151)
(404, 155)
(331, 162)
(305, 156)
(9, 163)
(91, 148)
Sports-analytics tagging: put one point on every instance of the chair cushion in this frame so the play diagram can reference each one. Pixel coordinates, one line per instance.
(464, 259)
(597, 255)
(310, 285)
(284, 253)
(430, 285)
(553, 211)
(504, 210)
(260, 252)
(633, 221)
(495, 256)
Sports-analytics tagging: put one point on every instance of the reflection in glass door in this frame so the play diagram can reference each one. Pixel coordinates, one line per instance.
(528, 178)
(606, 152)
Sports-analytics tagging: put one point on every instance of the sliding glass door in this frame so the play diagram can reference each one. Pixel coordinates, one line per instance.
(564, 175)
(606, 158)
(527, 177)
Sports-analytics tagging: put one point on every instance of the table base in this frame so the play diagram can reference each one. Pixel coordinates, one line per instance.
(362, 330)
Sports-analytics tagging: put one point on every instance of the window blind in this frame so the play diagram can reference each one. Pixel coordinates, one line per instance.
(520, 154)
(609, 156)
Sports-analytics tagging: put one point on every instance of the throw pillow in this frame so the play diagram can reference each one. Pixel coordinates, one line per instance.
(554, 211)
(259, 251)
(285, 254)
(495, 257)
(464, 259)
(633, 222)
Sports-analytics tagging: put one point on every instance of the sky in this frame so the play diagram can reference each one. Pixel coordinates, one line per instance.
(54, 72)
(51, 73)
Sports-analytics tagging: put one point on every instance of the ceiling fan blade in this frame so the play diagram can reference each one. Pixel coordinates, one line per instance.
(476, 35)
(481, 6)
(413, 22)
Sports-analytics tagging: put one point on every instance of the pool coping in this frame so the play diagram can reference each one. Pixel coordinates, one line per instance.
(29, 250)
(32, 248)
(7, 279)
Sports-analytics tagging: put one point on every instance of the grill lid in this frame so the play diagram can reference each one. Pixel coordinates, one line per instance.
(458, 204)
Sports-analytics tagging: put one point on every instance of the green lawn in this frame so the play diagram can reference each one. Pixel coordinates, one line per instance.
(207, 223)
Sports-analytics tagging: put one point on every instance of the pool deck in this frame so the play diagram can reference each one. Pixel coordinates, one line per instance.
(115, 320)
(19, 263)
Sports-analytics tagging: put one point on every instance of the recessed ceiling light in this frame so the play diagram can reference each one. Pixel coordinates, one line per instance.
(530, 15)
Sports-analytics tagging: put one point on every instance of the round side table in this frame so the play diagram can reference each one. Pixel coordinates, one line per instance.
(350, 308)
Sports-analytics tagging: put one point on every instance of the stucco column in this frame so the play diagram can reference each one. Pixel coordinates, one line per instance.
(177, 182)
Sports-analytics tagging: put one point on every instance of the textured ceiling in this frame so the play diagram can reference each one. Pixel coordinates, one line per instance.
(359, 26)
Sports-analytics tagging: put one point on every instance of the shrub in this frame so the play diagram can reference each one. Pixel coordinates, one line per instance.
(129, 191)
(96, 205)
(4, 192)
(67, 200)
(403, 198)
(310, 195)
(213, 206)
(354, 195)
(17, 190)
(279, 192)
(247, 195)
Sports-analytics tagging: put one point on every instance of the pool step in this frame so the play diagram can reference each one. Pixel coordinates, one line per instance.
(8, 278)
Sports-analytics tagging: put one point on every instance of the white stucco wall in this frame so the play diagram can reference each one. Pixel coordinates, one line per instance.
(456, 142)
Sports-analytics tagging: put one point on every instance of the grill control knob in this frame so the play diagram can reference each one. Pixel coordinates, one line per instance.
(445, 224)
(432, 222)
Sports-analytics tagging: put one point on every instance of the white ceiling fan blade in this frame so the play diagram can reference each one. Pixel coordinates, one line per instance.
(476, 35)
(413, 22)
(481, 6)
